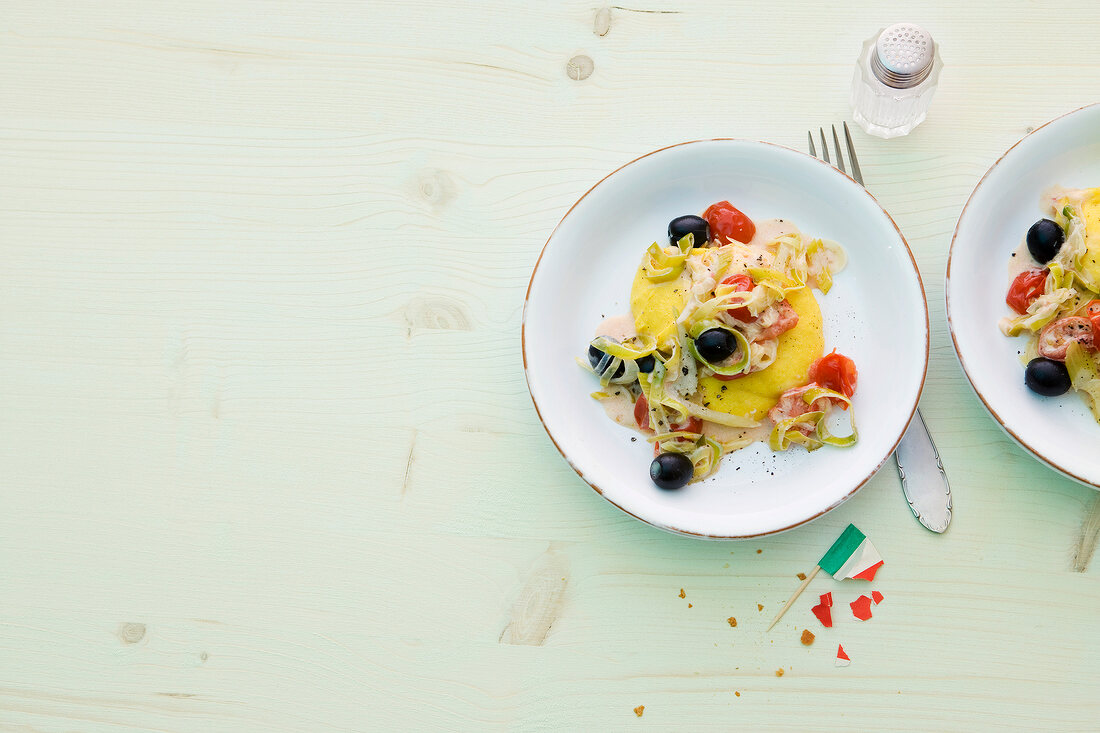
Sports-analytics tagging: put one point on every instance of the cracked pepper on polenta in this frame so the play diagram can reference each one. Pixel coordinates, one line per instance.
(724, 345)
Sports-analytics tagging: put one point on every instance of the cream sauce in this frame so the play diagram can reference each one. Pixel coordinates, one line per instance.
(619, 328)
(1051, 197)
(1020, 260)
(620, 406)
(769, 230)
(726, 434)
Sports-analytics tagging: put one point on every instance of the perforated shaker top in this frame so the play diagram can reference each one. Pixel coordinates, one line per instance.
(903, 55)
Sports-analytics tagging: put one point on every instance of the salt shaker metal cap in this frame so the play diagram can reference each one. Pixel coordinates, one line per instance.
(895, 78)
(903, 56)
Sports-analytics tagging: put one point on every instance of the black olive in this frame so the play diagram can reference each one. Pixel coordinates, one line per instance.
(1047, 377)
(646, 363)
(681, 226)
(594, 356)
(715, 344)
(1044, 239)
(671, 471)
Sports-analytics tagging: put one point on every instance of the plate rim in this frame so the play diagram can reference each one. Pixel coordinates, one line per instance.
(862, 482)
(951, 323)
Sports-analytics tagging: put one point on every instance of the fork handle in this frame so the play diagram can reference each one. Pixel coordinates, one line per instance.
(923, 479)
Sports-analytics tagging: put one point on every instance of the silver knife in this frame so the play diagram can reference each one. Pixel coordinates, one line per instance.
(923, 480)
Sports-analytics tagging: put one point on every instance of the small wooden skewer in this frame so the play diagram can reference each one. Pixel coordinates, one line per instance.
(797, 593)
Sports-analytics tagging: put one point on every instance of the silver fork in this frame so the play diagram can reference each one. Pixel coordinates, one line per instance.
(923, 479)
(856, 172)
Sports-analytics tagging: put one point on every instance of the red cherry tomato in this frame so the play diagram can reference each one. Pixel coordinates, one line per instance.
(741, 284)
(727, 223)
(1027, 286)
(641, 416)
(836, 372)
(1092, 312)
(693, 425)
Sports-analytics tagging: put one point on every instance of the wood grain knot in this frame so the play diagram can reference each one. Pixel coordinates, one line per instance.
(602, 24)
(437, 314)
(539, 603)
(131, 633)
(579, 67)
(435, 187)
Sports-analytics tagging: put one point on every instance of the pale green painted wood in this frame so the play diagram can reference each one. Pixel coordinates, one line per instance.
(264, 471)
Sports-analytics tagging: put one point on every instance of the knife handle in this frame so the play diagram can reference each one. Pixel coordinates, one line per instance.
(923, 479)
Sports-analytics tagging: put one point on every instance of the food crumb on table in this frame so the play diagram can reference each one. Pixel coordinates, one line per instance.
(731, 621)
(779, 672)
(682, 593)
(689, 605)
(807, 637)
(759, 607)
(738, 694)
(801, 576)
(759, 551)
(639, 710)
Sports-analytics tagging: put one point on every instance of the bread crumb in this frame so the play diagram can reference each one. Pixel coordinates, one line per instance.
(639, 710)
(779, 672)
(759, 607)
(737, 693)
(801, 576)
(689, 605)
(682, 593)
(731, 621)
(807, 637)
(759, 551)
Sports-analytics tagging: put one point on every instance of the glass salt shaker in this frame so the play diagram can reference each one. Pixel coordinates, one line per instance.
(894, 81)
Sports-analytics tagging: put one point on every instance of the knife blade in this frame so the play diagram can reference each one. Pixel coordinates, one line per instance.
(923, 480)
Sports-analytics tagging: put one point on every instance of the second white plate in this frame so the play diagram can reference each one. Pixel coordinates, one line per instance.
(1058, 430)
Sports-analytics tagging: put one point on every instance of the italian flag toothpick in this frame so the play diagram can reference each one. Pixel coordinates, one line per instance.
(851, 556)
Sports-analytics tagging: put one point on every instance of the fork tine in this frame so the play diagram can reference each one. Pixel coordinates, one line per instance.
(824, 146)
(856, 172)
(839, 157)
(813, 150)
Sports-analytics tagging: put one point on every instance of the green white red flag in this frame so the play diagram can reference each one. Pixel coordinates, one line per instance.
(852, 556)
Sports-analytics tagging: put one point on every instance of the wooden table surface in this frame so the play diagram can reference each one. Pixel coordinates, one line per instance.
(269, 462)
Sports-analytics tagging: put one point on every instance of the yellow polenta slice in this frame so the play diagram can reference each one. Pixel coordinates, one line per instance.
(1090, 211)
(754, 395)
(656, 306)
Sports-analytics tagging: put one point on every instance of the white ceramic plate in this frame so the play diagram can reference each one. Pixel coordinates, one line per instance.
(876, 314)
(1005, 203)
